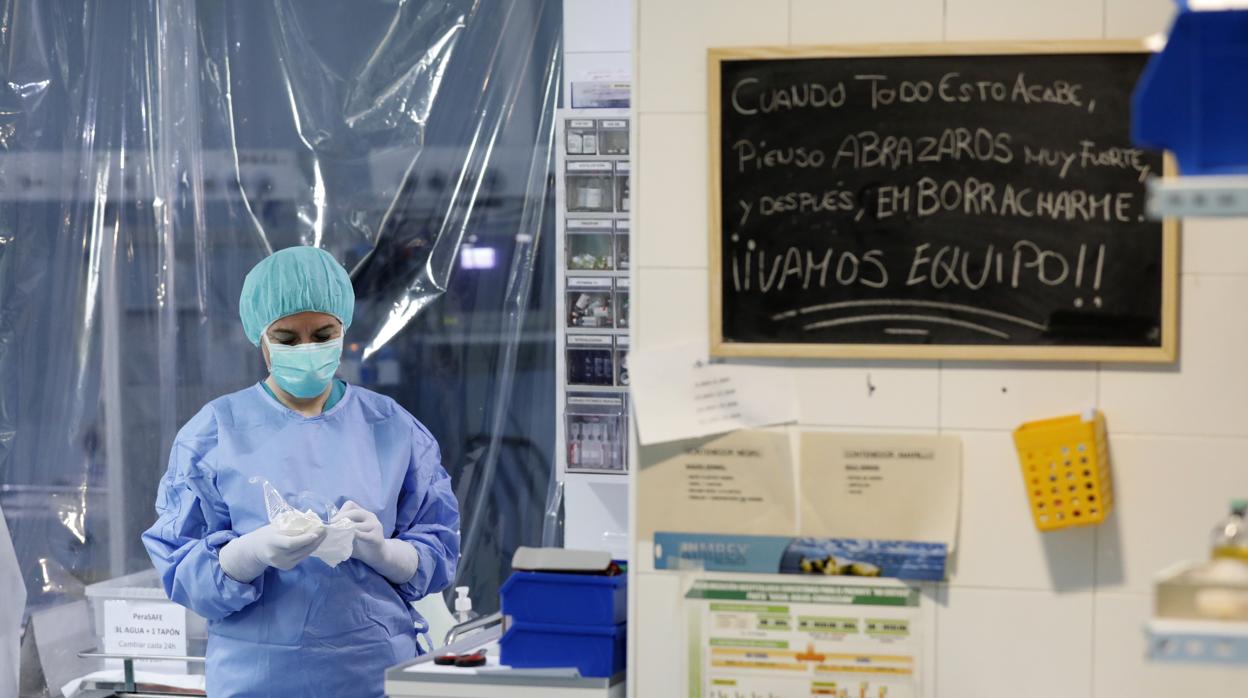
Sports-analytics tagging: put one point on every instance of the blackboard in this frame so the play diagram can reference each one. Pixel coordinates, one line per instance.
(950, 201)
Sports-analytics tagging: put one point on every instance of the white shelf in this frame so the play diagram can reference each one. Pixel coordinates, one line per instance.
(1198, 641)
(606, 477)
(603, 389)
(1198, 196)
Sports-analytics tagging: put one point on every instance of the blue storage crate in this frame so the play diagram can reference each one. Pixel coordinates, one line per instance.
(598, 651)
(1192, 97)
(565, 599)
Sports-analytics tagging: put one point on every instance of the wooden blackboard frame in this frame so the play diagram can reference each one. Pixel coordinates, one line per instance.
(1167, 352)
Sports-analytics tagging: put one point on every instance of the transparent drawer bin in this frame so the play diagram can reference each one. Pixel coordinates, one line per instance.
(1203, 591)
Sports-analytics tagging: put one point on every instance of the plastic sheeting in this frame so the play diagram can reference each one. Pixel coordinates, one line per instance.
(12, 605)
(152, 151)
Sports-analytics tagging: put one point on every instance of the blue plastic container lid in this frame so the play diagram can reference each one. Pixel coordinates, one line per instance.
(600, 580)
(560, 629)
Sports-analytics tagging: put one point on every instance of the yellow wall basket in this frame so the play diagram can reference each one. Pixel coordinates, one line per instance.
(1065, 464)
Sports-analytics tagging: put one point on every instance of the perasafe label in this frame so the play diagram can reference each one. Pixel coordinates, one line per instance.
(144, 628)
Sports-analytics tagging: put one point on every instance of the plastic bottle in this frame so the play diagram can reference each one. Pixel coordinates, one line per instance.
(574, 445)
(1230, 536)
(604, 447)
(463, 606)
(591, 455)
(612, 447)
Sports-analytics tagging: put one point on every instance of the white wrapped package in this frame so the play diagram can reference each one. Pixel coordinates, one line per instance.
(339, 536)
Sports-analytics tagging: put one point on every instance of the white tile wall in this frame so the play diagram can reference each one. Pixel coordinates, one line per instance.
(1169, 492)
(598, 25)
(844, 429)
(655, 634)
(682, 295)
(875, 395)
(1121, 667)
(998, 20)
(1022, 644)
(1003, 396)
(1129, 19)
(1207, 391)
(674, 189)
(673, 37)
(856, 22)
(998, 544)
(1215, 245)
(1024, 614)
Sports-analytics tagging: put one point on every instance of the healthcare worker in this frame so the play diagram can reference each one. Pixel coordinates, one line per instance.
(283, 623)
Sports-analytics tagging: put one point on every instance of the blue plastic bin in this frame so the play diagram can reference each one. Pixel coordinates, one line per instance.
(565, 599)
(1192, 97)
(594, 650)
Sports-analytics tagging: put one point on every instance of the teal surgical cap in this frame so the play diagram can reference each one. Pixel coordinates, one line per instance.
(294, 280)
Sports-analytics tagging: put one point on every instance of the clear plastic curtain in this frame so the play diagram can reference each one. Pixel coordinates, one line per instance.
(152, 151)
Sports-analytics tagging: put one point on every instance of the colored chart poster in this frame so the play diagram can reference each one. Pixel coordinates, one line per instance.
(776, 640)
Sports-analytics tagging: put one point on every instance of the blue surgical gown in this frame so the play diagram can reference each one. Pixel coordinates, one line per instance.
(313, 630)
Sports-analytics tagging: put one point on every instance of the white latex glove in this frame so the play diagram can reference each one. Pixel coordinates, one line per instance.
(249, 555)
(395, 560)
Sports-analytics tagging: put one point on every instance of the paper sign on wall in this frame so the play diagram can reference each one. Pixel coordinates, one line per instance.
(881, 486)
(854, 557)
(737, 483)
(680, 394)
(795, 640)
(146, 628)
(852, 504)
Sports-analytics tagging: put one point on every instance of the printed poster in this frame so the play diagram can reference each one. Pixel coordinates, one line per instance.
(761, 639)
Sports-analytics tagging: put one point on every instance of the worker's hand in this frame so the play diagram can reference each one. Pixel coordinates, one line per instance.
(247, 556)
(368, 534)
(396, 560)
